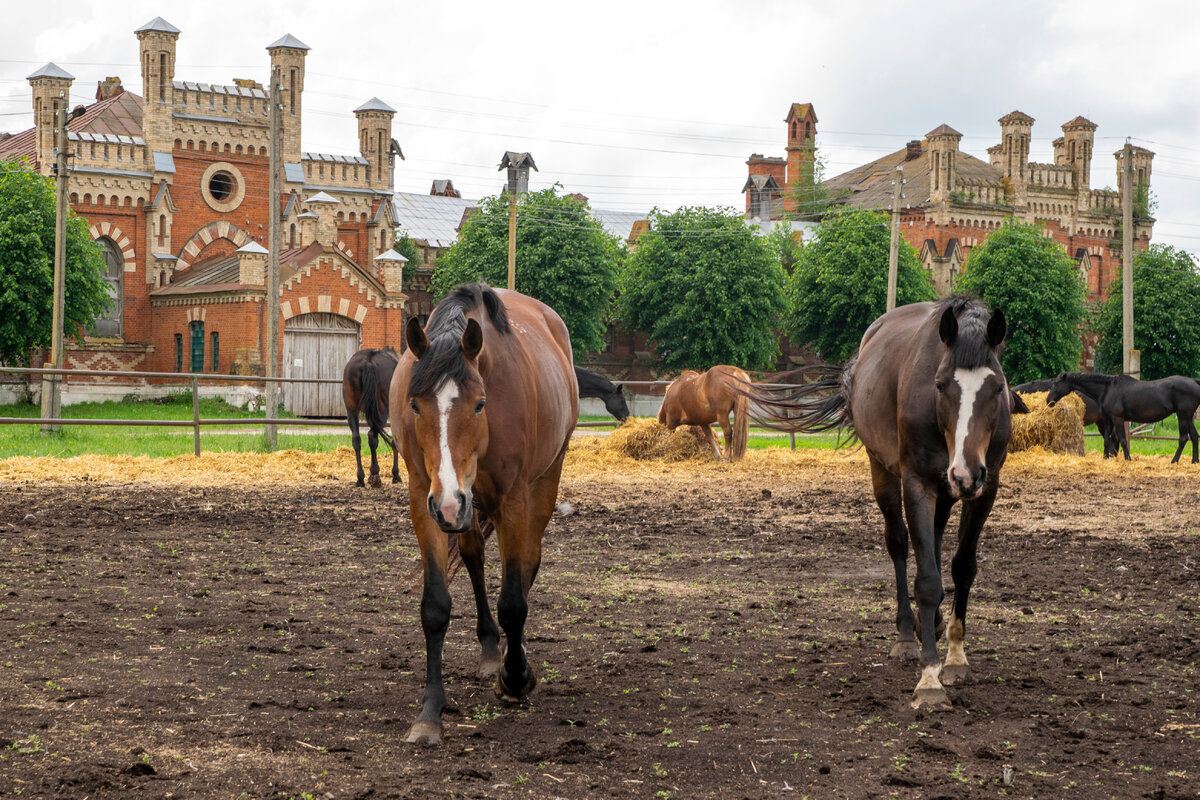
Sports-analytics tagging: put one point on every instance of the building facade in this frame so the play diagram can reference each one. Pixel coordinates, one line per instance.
(175, 186)
(952, 201)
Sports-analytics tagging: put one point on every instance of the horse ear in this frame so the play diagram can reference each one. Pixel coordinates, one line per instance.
(1017, 402)
(997, 328)
(948, 327)
(472, 340)
(620, 388)
(414, 334)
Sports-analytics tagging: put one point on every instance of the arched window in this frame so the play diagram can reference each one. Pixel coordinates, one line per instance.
(109, 326)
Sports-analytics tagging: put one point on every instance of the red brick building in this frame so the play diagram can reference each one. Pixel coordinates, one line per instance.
(953, 201)
(175, 185)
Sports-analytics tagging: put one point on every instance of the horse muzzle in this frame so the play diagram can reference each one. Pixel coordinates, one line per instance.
(966, 484)
(453, 515)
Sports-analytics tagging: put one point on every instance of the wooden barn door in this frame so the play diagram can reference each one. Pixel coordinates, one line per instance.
(317, 346)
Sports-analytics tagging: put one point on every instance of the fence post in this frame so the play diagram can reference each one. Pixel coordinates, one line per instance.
(196, 414)
(793, 434)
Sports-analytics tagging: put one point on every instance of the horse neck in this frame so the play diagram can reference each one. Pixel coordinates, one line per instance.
(1092, 384)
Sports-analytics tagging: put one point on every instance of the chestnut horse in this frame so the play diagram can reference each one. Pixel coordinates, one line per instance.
(365, 383)
(484, 402)
(702, 398)
(928, 399)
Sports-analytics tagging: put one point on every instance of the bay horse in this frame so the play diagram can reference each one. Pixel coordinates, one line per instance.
(485, 400)
(593, 384)
(928, 399)
(365, 382)
(1092, 414)
(1125, 398)
(702, 398)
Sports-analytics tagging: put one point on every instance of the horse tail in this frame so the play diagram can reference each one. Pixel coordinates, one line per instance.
(369, 402)
(741, 427)
(822, 404)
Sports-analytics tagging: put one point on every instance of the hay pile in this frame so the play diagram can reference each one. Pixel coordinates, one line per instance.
(643, 439)
(1055, 430)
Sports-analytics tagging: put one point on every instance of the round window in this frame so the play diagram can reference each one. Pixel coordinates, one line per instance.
(221, 186)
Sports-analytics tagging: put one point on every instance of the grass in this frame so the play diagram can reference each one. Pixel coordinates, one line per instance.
(27, 440)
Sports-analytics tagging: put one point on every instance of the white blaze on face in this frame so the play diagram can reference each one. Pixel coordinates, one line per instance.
(446, 474)
(970, 381)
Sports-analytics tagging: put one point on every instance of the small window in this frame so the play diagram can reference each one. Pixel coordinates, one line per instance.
(197, 346)
(220, 186)
(179, 352)
(216, 349)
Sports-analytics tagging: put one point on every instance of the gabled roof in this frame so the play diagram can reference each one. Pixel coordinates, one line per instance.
(943, 130)
(287, 40)
(512, 159)
(802, 111)
(1016, 116)
(375, 104)
(119, 115)
(760, 182)
(158, 24)
(50, 70)
(1079, 122)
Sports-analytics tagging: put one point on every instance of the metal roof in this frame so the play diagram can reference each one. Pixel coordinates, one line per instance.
(375, 104)
(287, 40)
(158, 24)
(50, 70)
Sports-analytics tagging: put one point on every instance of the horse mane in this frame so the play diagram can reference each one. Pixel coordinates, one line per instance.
(971, 348)
(443, 360)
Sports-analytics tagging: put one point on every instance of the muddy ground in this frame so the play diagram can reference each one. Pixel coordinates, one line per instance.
(704, 632)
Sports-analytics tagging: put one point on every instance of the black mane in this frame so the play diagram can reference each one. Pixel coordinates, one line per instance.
(971, 348)
(443, 360)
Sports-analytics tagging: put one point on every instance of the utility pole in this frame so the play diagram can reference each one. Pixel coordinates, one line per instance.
(894, 248)
(52, 384)
(271, 301)
(512, 241)
(1127, 351)
(518, 165)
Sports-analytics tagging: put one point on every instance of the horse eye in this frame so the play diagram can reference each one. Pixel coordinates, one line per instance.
(940, 386)
(479, 406)
(413, 406)
(1000, 389)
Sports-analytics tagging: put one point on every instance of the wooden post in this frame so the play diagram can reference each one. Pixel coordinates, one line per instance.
(271, 301)
(1127, 259)
(512, 241)
(894, 247)
(52, 384)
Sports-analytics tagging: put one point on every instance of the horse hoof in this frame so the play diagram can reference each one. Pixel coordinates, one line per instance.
(395, 479)
(425, 732)
(955, 673)
(507, 694)
(360, 483)
(489, 668)
(931, 699)
(375, 482)
(906, 650)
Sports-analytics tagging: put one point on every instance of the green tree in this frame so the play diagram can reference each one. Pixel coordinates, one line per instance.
(1041, 292)
(564, 258)
(839, 282)
(1166, 315)
(808, 191)
(27, 211)
(705, 289)
(406, 247)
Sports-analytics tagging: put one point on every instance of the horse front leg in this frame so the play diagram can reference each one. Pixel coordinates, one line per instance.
(706, 431)
(1184, 436)
(919, 504)
(895, 534)
(435, 620)
(941, 514)
(963, 568)
(373, 441)
(470, 545)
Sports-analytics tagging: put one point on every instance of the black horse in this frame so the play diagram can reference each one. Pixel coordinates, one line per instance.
(592, 384)
(365, 383)
(1092, 414)
(1124, 398)
(927, 397)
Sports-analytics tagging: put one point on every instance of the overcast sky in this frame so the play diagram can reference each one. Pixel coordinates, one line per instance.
(643, 104)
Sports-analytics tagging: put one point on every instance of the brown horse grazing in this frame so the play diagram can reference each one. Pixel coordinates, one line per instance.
(485, 401)
(365, 383)
(928, 399)
(702, 398)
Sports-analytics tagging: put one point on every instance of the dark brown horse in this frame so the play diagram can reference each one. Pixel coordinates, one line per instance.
(484, 402)
(927, 398)
(1092, 415)
(702, 398)
(1124, 398)
(365, 382)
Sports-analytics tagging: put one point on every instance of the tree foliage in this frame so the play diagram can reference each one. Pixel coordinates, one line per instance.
(27, 212)
(839, 282)
(405, 246)
(1041, 292)
(1166, 315)
(564, 258)
(705, 289)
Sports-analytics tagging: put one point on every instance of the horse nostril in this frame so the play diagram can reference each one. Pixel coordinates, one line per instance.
(982, 475)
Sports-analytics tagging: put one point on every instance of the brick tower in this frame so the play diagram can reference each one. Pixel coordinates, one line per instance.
(51, 91)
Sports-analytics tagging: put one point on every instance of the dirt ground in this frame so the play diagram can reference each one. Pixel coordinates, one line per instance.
(700, 631)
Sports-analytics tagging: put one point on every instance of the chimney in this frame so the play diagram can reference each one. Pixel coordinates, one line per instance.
(109, 87)
(252, 264)
(391, 271)
(913, 151)
(308, 228)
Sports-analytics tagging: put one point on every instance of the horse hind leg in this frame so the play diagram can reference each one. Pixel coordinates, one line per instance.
(373, 441)
(356, 440)
(727, 435)
(471, 546)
